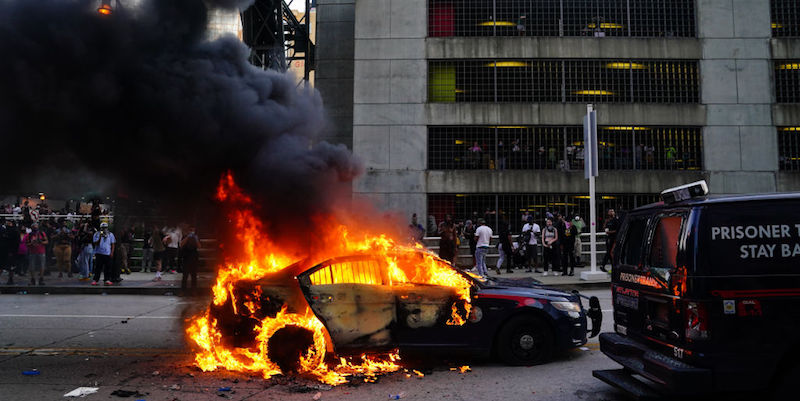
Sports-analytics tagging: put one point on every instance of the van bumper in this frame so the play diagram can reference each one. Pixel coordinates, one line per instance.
(666, 375)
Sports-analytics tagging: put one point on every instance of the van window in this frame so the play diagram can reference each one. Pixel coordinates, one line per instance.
(632, 249)
(664, 246)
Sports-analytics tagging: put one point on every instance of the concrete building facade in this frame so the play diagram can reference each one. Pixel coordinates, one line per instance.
(394, 87)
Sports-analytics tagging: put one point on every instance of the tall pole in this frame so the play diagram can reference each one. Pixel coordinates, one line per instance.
(591, 171)
(592, 196)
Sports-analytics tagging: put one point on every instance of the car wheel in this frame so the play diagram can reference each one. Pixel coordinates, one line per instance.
(525, 340)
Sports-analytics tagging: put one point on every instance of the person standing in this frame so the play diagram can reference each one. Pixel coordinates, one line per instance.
(483, 235)
(568, 249)
(610, 226)
(505, 247)
(159, 251)
(104, 244)
(550, 244)
(529, 233)
(125, 249)
(86, 251)
(172, 240)
(191, 259)
(447, 240)
(36, 242)
(469, 234)
(6, 243)
(578, 223)
(415, 230)
(63, 249)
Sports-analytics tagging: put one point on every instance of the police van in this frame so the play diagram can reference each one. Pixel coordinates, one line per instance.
(706, 296)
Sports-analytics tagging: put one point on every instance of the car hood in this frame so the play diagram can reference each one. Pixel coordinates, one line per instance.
(528, 288)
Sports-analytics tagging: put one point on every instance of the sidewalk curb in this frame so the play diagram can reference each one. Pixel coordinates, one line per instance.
(103, 290)
(176, 290)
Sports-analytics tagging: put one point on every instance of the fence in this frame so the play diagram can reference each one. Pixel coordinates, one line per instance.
(69, 217)
(563, 81)
(464, 258)
(597, 18)
(561, 148)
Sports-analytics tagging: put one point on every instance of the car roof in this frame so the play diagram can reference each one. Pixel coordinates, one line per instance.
(720, 199)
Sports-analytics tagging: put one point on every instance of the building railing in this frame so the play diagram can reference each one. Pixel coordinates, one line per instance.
(432, 243)
(592, 18)
(561, 148)
(70, 217)
(563, 81)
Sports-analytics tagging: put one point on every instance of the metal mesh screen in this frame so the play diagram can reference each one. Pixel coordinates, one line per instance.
(785, 18)
(789, 148)
(597, 18)
(563, 81)
(787, 81)
(561, 148)
(492, 206)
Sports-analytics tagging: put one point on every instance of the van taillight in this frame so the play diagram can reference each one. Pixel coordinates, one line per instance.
(696, 321)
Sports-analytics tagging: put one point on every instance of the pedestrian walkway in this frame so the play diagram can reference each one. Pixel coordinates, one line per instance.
(561, 282)
(134, 283)
(143, 284)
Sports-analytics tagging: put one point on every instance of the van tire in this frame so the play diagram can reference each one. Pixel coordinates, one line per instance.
(785, 387)
(525, 341)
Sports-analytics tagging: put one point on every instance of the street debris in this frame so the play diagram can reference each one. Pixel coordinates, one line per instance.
(224, 389)
(175, 387)
(156, 373)
(126, 393)
(32, 372)
(397, 396)
(81, 392)
(317, 396)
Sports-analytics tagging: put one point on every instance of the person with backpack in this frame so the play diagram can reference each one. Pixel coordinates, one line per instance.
(530, 231)
(550, 250)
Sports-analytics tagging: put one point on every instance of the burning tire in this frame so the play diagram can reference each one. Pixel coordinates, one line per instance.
(287, 345)
(525, 340)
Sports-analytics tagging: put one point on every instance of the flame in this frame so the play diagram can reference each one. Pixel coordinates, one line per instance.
(262, 256)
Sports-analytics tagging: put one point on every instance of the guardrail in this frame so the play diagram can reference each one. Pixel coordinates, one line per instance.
(432, 243)
(52, 216)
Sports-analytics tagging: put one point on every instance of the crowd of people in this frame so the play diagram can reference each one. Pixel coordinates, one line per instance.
(552, 247)
(73, 244)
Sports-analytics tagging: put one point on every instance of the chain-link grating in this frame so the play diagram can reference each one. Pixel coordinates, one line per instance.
(563, 81)
(593, 18)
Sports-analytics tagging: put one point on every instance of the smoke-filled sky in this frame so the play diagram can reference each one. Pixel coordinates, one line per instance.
(143, 102)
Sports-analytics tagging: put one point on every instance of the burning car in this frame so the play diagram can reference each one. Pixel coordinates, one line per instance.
(367, 303)
(347, 307)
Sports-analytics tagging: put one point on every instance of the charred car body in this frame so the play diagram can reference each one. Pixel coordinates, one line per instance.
(706, 295)
(362, 312)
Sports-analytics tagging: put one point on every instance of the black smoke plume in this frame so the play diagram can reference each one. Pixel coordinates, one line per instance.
(141, 99)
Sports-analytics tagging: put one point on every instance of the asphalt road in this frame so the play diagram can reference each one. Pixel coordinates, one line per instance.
(136, 343)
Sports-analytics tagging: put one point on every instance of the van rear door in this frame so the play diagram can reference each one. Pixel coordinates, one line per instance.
(648, 278)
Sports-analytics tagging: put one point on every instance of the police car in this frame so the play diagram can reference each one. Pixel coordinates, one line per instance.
(706, 296)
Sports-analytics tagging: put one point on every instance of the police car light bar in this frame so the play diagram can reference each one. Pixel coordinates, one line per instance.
(684, 192)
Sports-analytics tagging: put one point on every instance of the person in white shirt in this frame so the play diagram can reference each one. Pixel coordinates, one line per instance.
(482, 235)
(531, 230)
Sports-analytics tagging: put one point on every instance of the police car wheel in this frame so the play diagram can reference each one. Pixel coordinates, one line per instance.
(525, 340)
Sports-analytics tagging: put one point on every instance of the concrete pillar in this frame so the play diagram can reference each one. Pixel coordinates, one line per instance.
(334, 67)
(389, 95)
(740, 140)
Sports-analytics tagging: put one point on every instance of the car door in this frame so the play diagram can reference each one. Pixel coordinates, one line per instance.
(351, 296)
(425, 311)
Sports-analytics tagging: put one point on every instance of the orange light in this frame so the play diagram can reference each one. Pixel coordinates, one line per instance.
(105, 8)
